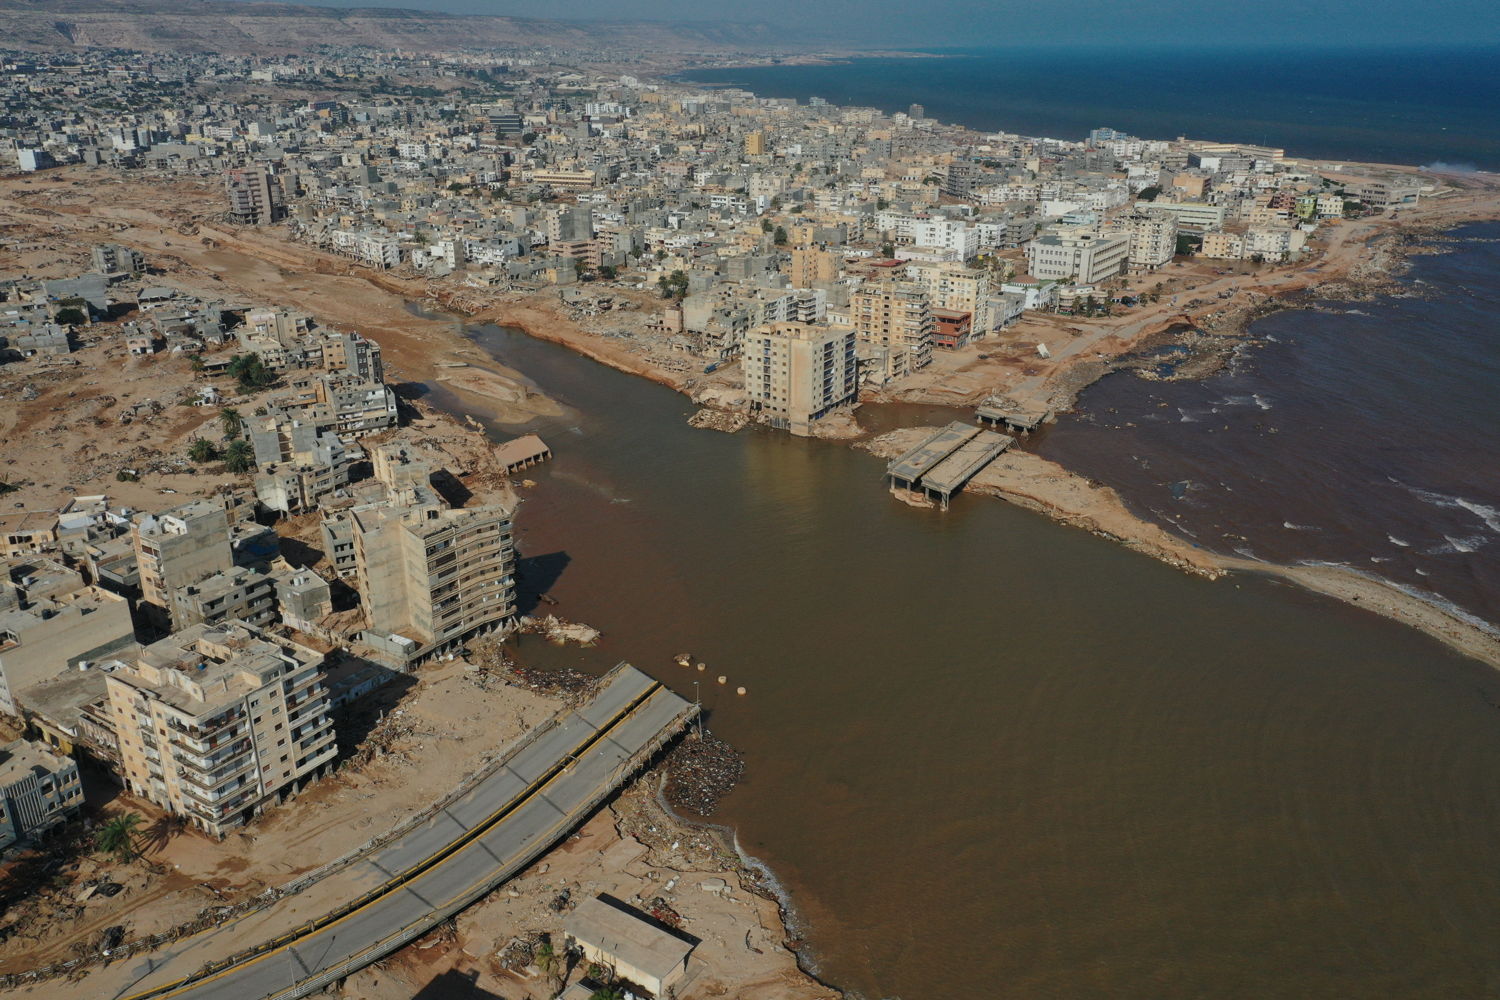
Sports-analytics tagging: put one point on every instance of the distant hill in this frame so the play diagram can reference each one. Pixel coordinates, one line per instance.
(234, 27)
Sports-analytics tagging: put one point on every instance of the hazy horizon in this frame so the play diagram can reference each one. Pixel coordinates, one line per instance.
(896, 23)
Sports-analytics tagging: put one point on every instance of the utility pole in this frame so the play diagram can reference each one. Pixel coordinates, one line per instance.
(698, 702)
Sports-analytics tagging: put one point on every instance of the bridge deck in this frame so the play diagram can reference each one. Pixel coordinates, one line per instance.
(958, 468)
(916, 463)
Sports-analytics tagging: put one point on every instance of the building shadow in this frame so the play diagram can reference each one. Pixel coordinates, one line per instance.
(450, 488)
(345, 597)
(535, 576)
(299, 553)
(354, 720)
(456, 985)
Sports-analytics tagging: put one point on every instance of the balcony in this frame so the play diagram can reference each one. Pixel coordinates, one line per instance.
(207, 785)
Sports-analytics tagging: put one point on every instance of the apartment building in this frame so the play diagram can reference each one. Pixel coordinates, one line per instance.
(39, 790)
(340, 403)
(432, 574)
(112, 258)
(811, 266)
(1078, 255)
(1153, 240)
(1219, 245)
(255, 196)
(217, 721)
(177, 548)
(893, 327)
(955, 287)
(237, 594)
(796, 372)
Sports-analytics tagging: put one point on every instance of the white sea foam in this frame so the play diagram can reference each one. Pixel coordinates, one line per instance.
(1457, 546)
(1261, 401)
(1187, 418)
(1298, 527)
(1396, 541)
(1489, 515)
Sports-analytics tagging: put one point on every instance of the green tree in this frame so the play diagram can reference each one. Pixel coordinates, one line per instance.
(202, 450)
(251, 372)
(239, 456)
(117, 837)
(229, 418)
(765, 225)
(607, 272)
(1150, 193)
(888, 250)
(607, 993)
(780, 236)
(71, 316)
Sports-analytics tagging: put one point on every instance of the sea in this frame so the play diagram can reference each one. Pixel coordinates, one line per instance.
(1363, 434)
(1438, 106)
(992, 755)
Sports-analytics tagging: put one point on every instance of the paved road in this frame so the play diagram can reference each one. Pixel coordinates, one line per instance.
(540, 795)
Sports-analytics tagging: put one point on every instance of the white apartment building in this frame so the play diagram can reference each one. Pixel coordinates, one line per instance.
(796, 372)
(1078, 255)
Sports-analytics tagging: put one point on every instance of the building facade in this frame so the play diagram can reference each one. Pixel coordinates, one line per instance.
(795, 373)
(215, 722)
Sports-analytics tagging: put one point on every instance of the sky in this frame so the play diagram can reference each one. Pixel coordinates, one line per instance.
(926, 23)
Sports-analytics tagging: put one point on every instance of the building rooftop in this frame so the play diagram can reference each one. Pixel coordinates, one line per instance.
(630, 938)
(24, 757)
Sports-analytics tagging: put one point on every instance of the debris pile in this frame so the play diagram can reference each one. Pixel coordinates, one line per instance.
(700, 772)
(560, 630)
(719, 420)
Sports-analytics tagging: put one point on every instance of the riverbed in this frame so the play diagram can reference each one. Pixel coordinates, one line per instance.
(990, 752)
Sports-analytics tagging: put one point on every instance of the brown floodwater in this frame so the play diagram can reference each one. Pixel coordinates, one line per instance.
(992, 756)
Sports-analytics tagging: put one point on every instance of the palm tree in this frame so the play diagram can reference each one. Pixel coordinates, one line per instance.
(229, 417)
(239, 456)
(202, 450)
(117, 837)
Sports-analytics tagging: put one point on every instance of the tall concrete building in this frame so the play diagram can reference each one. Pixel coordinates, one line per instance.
(893, 326)
(216, 722)
(811, 266)
(178, 548)
(255, 195)
(755, 143)
(1153, 240)
(796, 372)
(432, 574)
